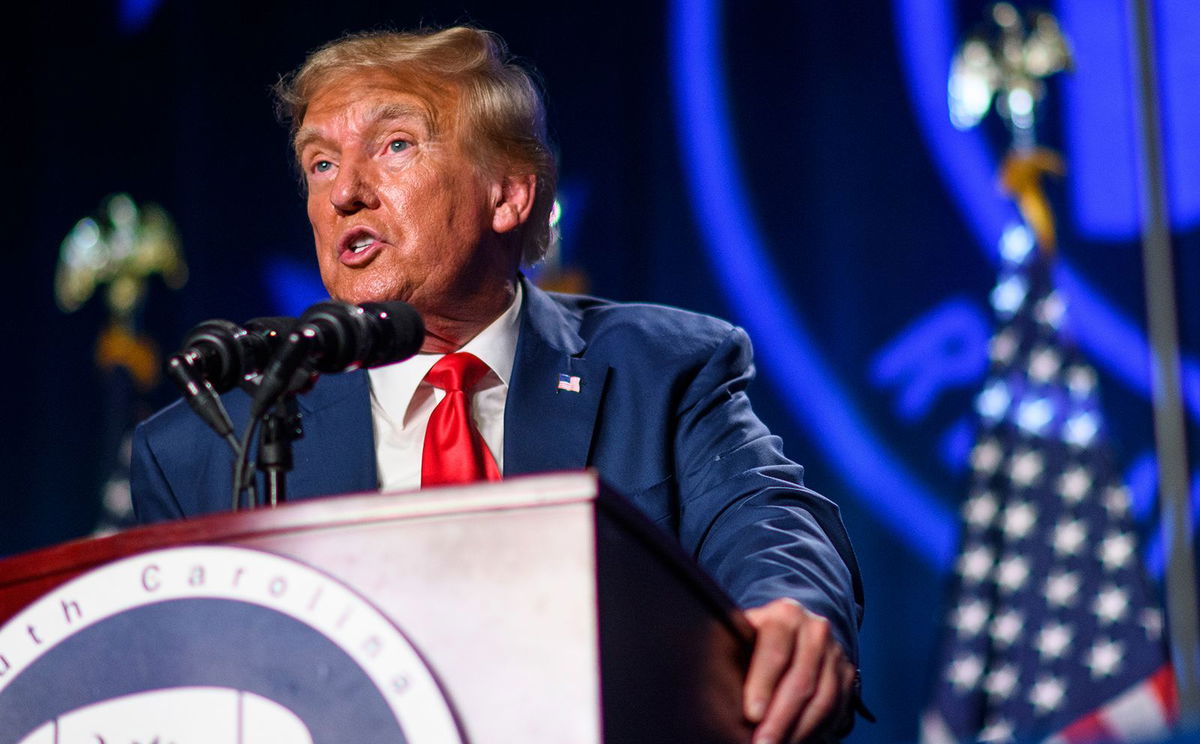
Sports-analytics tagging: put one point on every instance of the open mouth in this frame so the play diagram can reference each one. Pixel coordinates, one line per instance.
(358, 246)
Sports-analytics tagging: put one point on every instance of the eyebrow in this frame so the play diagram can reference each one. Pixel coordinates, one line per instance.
(383, 112)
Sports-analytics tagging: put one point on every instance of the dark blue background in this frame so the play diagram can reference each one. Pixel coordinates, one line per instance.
(862, 229)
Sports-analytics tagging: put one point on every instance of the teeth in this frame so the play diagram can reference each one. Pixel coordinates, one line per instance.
(361, 244)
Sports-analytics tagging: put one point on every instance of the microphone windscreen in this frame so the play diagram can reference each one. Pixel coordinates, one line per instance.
(399, 332)
(273, 325)
(213, 350)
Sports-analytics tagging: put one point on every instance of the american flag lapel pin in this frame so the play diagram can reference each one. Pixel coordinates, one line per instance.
(570, 383)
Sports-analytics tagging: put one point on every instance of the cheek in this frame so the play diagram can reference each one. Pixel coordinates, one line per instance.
(317, 217)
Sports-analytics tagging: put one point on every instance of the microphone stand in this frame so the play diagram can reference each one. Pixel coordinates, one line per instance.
(280, 427)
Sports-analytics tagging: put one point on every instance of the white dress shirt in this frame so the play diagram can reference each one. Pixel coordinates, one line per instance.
(402, 402)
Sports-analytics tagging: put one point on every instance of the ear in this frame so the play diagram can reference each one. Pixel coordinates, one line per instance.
(513, 199)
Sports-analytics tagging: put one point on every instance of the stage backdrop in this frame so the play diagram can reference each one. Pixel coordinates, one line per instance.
(789, 166)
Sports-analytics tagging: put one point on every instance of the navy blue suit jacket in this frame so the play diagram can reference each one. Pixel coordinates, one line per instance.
(661, 413)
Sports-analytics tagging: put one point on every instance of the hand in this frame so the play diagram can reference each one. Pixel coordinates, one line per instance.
(800, 681)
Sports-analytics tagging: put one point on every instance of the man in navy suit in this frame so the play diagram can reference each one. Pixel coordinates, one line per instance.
(429, 180)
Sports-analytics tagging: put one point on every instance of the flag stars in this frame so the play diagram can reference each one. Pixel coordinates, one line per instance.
(1050, 311)
(1002, 347)
(1081, 429)
(996, 732)
(1043, 363)
(1016, 243)
(1047, 694)
(1053, 641)
(980, 510)
(1081, 380)
(1009, 294)
(1111, 605)
(1012, 573)
(1062, 587)
(993, 402)
(1115, 550)
(985, 458)
(975, 564)
(970, 617)
(1019, 519)
(1104, 658)
(1069, 536)
(1152, 622)
(965, 671)
(1026, 468)
(1116, 500)
(1006, 627)
(1001, 682)
(1074, 484)
(1035, 415)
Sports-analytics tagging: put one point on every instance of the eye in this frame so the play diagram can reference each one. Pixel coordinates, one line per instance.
(398, 145)
(322, 166)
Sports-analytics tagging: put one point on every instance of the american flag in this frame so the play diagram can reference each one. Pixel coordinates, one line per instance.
(1053, 631)
(570, 383)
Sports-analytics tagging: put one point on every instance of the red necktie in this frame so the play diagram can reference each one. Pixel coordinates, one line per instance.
(454, 450)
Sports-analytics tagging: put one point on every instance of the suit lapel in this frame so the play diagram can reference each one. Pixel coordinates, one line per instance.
(337, 452)
(546, 428)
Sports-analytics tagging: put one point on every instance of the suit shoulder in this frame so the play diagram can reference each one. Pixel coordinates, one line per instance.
(178, 422)
(659, 327)
(169, 418)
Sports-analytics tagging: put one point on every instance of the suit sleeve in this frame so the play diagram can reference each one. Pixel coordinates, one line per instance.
(745, 514)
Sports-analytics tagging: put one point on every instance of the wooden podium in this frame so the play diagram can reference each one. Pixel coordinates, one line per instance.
(548, 609)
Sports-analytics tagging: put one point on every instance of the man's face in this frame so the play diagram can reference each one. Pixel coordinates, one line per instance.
(398, 210)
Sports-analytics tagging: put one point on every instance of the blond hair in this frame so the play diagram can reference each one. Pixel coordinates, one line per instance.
(502, 115)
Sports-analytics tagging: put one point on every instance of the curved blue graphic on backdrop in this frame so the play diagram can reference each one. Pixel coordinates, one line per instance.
(786, 347)
(927, 33)
(738, 251)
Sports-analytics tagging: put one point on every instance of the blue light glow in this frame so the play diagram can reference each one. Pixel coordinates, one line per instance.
(926, 36)
(1156, 548)
(787, 349)
(134, 15)
(294, 286)
(738, 253)
(954, 446)
(946, 347)
(1142, 479)
(1099, 105)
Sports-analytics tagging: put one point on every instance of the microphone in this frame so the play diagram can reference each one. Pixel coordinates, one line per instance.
(216, 356)
(338, 337)
(225, 354)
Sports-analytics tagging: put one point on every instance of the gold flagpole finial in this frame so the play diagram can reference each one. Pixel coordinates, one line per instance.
(120, 249)
(1004, 66)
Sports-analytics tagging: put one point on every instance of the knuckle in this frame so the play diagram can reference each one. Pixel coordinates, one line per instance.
(775, 655)
(819, 629)
(803, 686)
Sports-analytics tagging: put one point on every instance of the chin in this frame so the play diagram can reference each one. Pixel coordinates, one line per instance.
(359, 295)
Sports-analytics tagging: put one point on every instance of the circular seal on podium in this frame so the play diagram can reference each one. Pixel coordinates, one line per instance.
(213, 644)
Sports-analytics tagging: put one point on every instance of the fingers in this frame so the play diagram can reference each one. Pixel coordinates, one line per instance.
(799, 679)
(831, 701)
(773, 652)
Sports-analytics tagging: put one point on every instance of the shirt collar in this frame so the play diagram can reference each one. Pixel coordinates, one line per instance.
(495, 345)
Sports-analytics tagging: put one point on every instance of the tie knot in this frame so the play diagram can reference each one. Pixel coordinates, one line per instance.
(458, 371)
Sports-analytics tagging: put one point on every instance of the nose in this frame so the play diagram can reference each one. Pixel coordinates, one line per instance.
(353, 187)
